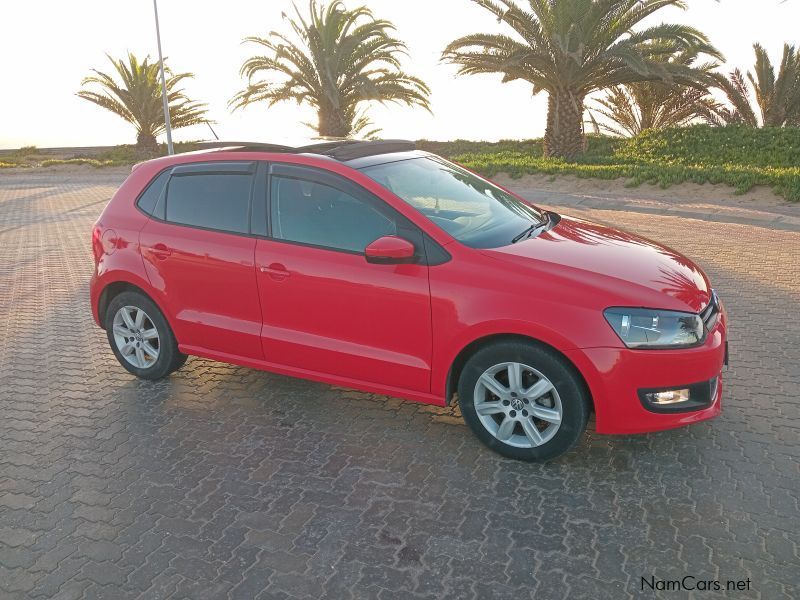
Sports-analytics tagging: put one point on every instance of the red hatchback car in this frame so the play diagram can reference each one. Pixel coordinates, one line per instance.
(379, 267)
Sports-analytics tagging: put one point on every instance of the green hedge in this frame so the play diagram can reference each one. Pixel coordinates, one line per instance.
(704, 145)
(127, 154)
(741, 157)
(598, 147)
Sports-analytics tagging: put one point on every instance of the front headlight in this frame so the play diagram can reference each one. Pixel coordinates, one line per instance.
(648, 328)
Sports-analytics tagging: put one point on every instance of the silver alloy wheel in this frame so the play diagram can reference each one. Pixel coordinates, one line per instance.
(518, 405)
(136, 337)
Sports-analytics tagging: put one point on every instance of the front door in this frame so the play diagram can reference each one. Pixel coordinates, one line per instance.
(199, 251)
(326, 309)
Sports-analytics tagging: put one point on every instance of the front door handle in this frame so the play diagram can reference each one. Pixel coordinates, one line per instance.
(275, 271)
(160, 251)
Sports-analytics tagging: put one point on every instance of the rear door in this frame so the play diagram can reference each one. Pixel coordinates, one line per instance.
(198, 248)
(325, 308)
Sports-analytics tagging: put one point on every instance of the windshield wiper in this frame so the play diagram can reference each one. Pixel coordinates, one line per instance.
(533, 228)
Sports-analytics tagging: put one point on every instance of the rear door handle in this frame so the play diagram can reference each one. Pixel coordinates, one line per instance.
(160, 251)
(275, 271)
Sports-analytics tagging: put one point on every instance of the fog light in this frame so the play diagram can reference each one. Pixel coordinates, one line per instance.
(668, 397)
(695, 396)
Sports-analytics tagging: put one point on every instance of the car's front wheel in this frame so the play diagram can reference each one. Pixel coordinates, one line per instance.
(523, 400)
(141, 338)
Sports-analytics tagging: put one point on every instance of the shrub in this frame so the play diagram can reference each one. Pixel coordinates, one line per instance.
(127, 154)
(702, 144)
(27, 151)
(598, 146)
(76, 161)
(738, 156)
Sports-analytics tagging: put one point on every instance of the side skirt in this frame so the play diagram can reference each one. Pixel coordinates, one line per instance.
(280, 369)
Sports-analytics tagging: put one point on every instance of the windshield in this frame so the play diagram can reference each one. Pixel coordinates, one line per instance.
(474, 211)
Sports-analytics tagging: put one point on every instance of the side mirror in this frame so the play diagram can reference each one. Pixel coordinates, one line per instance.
(390, 250)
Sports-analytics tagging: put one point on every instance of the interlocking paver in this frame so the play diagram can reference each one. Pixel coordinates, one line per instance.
(227, 482)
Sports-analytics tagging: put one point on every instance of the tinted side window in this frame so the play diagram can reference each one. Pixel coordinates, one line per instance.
(314, 213)
(211, 200)
(147, 201)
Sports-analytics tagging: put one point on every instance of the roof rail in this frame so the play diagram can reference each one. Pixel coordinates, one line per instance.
(325, 146)
(341, 149)
(248, 146)
(354, 150)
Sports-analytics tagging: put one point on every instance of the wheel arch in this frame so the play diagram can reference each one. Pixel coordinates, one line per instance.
(114, 289)
(457, 366)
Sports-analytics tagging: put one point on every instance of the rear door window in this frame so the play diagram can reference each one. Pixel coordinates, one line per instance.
(211, 196)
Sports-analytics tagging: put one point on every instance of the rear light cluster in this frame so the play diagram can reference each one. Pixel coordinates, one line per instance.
(97, 244)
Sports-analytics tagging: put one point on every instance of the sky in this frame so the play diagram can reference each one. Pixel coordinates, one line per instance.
(48, 46)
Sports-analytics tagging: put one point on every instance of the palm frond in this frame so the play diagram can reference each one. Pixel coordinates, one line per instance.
(573, 48)
(334, 60)
(570, 44)
(135, 95)
(675, 101)
(775, 94)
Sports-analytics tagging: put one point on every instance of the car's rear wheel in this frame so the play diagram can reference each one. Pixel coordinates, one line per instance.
(141, 338)
(523, 400)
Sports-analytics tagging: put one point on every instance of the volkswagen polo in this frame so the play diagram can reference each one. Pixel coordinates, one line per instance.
(380, 267)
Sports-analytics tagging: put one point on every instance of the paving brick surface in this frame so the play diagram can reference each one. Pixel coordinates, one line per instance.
(225, 482)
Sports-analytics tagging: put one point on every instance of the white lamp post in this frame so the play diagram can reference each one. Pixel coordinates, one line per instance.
(163, 83)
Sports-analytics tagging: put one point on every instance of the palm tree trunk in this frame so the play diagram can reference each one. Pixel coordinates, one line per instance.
(332, 123)
(563, 137)
(146, 145)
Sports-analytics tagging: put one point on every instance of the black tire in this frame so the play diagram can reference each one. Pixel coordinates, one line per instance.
(169, 357)
(180, 361)
(570, 390)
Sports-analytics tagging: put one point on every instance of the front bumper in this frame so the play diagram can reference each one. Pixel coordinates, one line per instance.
(615, 377)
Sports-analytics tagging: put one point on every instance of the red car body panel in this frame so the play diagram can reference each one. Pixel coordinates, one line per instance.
(323, 308)
(208, 283)
(115, 246)
(398, 329)
(625, 267)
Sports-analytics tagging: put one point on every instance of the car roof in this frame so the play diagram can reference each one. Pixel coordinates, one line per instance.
(356, 154)
(342, 150)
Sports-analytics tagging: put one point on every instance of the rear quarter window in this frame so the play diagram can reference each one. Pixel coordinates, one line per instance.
(148, 199)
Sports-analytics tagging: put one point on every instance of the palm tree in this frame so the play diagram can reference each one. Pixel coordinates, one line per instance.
(634, 107)
(777, 96)
(571, 48)
(740, 111)
(338, 60)
(137, 99)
